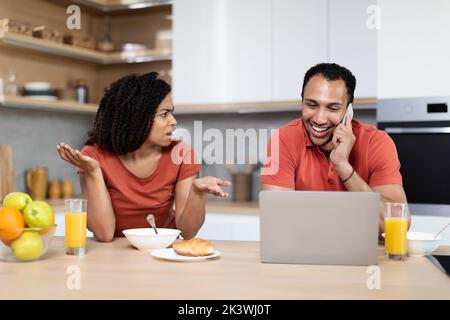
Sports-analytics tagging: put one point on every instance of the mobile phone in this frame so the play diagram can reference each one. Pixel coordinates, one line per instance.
(349, 110)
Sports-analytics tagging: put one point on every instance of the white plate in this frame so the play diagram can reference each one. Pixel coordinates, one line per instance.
(169, 254)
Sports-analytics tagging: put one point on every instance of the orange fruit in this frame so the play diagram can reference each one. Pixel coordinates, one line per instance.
(7, 243)
(11, 224)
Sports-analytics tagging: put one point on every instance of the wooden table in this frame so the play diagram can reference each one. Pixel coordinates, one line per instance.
(118, 271)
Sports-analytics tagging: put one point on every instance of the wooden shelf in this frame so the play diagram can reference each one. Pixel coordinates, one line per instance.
(47, 105)
(23, 41)
(119, 5)
(254, 107)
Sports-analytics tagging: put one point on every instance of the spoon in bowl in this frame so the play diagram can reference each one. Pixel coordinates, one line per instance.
(151, 220)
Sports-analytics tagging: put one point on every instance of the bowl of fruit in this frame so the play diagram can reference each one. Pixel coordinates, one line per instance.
(26, 228)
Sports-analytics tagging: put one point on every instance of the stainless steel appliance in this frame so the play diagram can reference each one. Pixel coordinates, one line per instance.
(420, 128)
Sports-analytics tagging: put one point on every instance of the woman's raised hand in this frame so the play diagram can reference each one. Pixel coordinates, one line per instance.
(75, 157)
(212, 185)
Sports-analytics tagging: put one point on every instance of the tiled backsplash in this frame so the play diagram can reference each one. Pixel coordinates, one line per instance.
(34, 135)
(247, 121)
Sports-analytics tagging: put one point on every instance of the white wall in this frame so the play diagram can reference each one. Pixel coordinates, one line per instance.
(413, 48)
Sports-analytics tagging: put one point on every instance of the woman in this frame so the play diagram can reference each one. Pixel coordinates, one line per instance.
(131, 166)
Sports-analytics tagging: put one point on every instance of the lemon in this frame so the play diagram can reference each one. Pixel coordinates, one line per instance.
(29, 246)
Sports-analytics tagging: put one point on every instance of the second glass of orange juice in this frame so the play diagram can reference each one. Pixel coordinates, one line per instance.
(76, 220)
(396, 229)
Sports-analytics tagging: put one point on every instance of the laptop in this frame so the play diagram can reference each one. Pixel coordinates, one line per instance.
(319, 227)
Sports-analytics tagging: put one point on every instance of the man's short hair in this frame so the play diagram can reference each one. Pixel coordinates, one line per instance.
(332, 71)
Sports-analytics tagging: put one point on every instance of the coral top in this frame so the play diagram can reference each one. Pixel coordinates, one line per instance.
(300, 165)
(132, 197)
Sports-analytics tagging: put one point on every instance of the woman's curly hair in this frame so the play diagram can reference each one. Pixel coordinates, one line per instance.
(126, 112)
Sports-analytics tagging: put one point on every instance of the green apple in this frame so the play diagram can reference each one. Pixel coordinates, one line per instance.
(29, 246)
(18, 200)
(38, 214)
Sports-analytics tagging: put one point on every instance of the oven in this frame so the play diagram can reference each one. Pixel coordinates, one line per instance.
(420, 128)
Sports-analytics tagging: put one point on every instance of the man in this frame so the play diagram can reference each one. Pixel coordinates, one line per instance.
(321, 152)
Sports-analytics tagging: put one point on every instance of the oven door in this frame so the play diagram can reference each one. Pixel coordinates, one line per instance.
(424, 152)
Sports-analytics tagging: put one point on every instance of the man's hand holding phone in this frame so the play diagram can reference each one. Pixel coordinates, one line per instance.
(343, 140)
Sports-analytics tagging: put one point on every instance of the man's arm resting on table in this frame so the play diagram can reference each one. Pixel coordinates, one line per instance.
(388, 193)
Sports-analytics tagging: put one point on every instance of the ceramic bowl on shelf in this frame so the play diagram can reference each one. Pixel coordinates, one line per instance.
(37, 86)
(133, 47)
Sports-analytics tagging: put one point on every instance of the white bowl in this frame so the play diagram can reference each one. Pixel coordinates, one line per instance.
(37, 85)
(422, 243)
(145, 238)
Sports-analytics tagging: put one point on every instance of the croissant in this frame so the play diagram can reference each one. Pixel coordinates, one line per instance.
(195, 247)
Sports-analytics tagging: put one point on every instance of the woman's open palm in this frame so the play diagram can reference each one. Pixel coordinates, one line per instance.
(76, 158)
(212, 185)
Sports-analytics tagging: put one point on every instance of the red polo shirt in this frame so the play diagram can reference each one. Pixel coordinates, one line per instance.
(133, 197)
(303, 166)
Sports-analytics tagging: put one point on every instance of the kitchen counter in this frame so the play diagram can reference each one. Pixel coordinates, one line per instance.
(118, 271)
(238, 207)
(212, 205)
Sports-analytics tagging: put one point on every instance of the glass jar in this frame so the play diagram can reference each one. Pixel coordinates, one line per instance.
(81, 91)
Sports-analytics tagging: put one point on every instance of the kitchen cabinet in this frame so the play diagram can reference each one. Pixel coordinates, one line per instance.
(352, 44)
(222, 51)
(309, 32)
(229, 226)
(245, 51)
(229, 53)
(413, 48)
(299, 41)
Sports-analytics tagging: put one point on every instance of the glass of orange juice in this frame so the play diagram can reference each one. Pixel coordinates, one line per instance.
(396, 228)
(76, 219)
